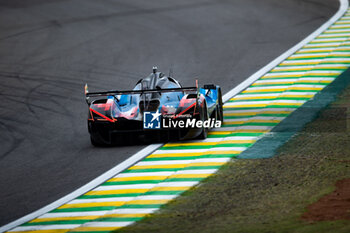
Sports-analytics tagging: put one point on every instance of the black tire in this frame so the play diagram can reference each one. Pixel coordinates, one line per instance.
(219, 107)
(203, 117)
(96, 142)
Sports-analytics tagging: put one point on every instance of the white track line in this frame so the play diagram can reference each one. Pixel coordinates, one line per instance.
(151, 148)
(342, 9)
(89, 186)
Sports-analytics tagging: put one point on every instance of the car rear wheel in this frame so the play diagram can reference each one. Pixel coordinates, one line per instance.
(95, 142)
(204, 117)
(219, 107)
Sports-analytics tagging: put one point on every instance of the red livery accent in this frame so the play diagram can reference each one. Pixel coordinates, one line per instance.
(103, 116)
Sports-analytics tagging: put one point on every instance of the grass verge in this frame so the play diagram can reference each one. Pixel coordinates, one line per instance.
(268, 195)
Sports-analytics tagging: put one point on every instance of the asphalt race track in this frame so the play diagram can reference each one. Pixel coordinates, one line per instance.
(50, 48)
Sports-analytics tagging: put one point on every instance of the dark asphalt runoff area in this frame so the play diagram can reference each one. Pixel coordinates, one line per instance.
(50, 48)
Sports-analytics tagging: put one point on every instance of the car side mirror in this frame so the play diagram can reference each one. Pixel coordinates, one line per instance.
(209, 86)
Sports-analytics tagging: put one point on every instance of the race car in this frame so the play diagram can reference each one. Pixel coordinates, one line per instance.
(157, 108)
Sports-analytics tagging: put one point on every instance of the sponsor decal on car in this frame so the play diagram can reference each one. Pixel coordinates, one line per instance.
(155, 120)
(152, 120)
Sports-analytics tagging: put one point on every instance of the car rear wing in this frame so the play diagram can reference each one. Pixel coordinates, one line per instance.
(128, 92)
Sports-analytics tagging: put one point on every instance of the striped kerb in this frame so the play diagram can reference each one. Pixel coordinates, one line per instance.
(176, 167)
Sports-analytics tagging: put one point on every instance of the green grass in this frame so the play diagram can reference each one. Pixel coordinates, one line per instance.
(268, 195)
